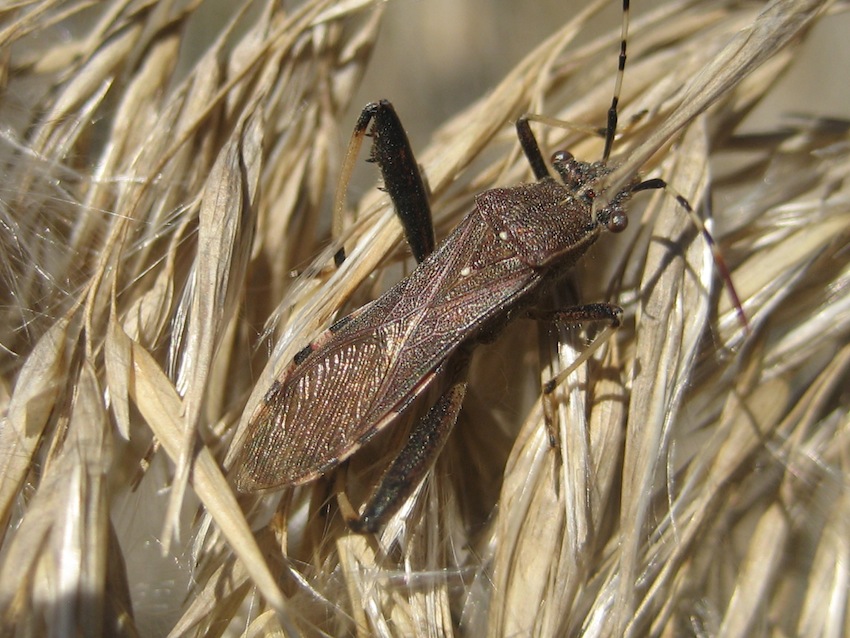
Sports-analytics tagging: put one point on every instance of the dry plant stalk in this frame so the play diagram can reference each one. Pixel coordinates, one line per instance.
(157, 202)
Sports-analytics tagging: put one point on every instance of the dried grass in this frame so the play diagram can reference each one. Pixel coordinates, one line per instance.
(156, 201)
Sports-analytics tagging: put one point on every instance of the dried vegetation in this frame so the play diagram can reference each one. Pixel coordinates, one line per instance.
(157, 199)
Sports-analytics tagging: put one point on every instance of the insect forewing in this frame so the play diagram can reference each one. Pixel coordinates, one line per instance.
(360, 376)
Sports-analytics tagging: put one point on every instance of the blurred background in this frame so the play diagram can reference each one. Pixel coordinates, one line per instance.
(433, 58)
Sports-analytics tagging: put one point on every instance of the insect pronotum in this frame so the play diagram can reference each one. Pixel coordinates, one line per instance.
(367, 368)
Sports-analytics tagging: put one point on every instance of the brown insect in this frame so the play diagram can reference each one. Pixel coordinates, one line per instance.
(367, 368)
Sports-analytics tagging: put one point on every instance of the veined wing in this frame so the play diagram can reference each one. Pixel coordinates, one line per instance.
(363, 373)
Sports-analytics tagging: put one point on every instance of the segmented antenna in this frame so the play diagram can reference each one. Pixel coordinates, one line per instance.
(660, 184)
(611, 128)
(719, 262)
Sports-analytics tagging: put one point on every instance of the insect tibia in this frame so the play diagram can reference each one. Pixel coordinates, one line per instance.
(577, 314)
(531, 148)
(580, 314)
(392, 153)
(413, 462)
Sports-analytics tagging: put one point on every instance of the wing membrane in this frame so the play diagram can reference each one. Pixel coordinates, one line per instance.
(357, 379)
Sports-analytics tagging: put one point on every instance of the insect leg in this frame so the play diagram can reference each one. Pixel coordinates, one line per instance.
(528, 142)
(416, 457)
(402, 180)
(531, 148)
(580, 314)
(576, 314)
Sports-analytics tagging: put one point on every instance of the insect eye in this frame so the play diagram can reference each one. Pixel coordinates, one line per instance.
(617, 222)
(561, 157)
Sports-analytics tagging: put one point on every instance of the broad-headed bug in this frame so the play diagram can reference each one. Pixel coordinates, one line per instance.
(368, 367)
